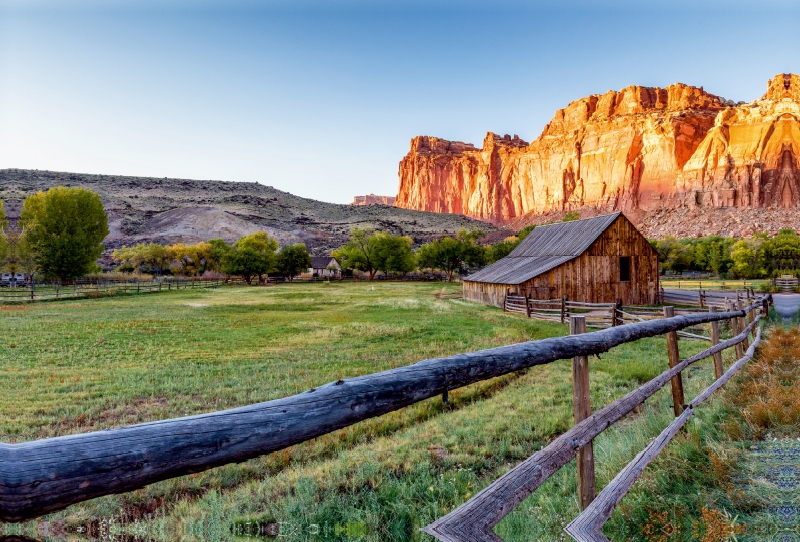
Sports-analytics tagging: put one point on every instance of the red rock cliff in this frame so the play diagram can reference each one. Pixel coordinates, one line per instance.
(639, 148)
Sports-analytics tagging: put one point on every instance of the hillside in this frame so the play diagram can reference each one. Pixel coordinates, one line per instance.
(183, 210)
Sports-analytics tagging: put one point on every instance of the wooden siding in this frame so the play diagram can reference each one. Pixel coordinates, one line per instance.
(592, 276)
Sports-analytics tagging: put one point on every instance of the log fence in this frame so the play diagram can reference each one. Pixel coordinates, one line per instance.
(42, 292)
(48, 475)
(475, 520)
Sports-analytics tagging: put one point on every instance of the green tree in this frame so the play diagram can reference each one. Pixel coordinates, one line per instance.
(219, 252)
(359, 252)
(672, 254)
(502, 249)
(747, 256)
(711, 253)
(782, 252)
(570, 216)
(252, 256)
(524, 232)
(451, 254)
(393, 254)
(292, 260)
(4, 245)
(64, 228)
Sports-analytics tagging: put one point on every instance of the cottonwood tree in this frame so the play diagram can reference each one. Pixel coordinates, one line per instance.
(64, 229)
(393, 254)
(359, 252)
(252, 256)
(451, 254)
(143, 257)
(292, 260)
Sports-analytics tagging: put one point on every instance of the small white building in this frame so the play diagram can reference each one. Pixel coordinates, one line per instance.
(324, 266)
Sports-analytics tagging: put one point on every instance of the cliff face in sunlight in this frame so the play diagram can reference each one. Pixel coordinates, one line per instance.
(639, 149)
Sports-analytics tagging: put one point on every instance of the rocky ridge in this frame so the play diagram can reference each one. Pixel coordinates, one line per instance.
(646, 151)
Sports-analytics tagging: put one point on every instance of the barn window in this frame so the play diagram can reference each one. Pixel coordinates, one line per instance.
(624, 268)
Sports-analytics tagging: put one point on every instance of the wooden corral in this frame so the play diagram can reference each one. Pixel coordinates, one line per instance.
(604, 259)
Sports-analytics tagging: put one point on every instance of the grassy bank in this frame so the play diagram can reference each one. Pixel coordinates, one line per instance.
(76, 366)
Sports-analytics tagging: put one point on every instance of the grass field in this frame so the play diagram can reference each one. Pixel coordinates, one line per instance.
(74, 366)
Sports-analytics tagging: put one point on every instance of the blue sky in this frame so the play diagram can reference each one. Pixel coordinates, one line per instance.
(321, 98)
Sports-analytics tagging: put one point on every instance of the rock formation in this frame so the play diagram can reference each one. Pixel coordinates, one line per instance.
(637, 149)
(372, 199)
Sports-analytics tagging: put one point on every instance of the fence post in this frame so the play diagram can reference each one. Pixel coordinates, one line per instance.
(718, 368)
(701, 297)
(735, 328)
(674, 359)
(527, 306)
(563, 307)
(765, 307)
(743, 325)
(662, 295)
(616, 311)
(583, 409)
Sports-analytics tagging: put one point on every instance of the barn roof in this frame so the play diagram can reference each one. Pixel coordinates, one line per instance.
(545, 248)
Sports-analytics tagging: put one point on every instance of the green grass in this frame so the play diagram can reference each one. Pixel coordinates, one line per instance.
(76, 366)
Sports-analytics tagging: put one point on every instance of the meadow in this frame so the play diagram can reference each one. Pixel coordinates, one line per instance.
(84, 365)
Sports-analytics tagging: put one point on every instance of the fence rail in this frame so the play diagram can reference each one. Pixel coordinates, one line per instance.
(41, 292)
(47, 475)
(475, 520)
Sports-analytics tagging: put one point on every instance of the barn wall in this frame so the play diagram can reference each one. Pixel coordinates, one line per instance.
(591, 277)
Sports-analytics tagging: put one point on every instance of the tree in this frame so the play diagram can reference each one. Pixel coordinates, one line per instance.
(747, 256)
(144, 257)
(393, 254)
(190, 259)
(782, 252)
(252, 255)
(570, 216)
(64, 228)
(502, 249)
(453, 254)
(672, 254)
(523, 233)
(4, 245)
(359, 252)
(711, 253)
(292, 260)
(219, 251)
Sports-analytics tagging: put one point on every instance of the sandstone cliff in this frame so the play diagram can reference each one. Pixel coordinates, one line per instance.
(639, 149)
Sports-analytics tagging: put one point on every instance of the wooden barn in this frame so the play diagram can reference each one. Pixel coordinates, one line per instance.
(596, 260)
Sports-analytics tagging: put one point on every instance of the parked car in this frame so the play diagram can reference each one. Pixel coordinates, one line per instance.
(6, 279)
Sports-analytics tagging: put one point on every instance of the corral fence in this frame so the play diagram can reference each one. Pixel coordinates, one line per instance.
(47, 475)
(605, 315)
(93, 289)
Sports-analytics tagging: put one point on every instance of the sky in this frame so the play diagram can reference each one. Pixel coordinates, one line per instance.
(322, 97)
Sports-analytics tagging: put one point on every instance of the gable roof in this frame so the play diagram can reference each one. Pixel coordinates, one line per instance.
(321, 262)
(545, 248)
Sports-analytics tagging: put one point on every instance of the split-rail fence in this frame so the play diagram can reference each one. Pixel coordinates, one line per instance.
(43, 476)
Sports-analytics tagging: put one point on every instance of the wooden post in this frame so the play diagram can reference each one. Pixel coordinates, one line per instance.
(718, 368)
(765, 307)
(583, 409)
(700, 296)
(616, 318)
(527, 306)
(743, 326)
(563, 307)
(674, 359)
(735, 329)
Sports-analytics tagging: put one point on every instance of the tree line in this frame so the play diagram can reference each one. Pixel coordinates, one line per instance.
(760, 256)
(253, 256)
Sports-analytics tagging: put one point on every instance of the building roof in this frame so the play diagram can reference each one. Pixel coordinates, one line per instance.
(545, 248)
(321, 262)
